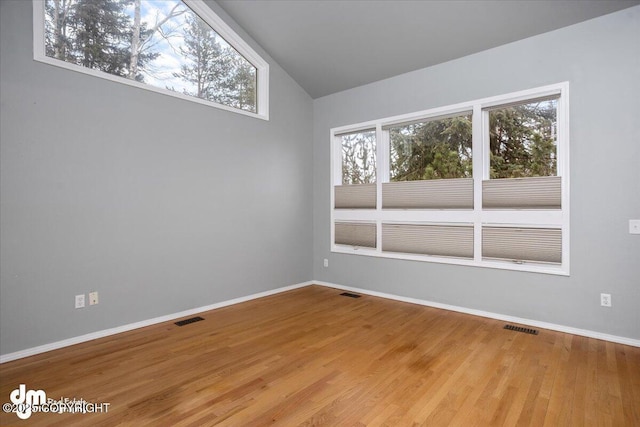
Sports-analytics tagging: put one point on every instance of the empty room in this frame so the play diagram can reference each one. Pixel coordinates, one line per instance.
(318, 212)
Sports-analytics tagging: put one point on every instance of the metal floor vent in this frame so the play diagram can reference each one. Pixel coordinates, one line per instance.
(350, 295)
(187, 321)
(520, 329)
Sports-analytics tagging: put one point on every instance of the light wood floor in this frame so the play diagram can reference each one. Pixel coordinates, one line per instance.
(312, 357)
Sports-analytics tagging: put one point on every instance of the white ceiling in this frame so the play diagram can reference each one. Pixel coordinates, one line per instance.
(331, 45)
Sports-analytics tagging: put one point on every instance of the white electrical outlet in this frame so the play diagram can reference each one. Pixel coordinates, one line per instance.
(605, 300)
(326, 262)
(80, 301)
(93, 298)
(634, 226)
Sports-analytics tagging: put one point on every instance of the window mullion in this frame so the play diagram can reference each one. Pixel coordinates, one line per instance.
(335, 178)
(382, 175)
(484, 140)
(563, 169)
(478, 147)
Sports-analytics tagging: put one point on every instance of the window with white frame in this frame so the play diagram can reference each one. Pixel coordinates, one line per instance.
(179, 48)
(482, 183)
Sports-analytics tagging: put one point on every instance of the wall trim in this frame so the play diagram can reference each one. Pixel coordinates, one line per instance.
(544, 325)
(131, 326)
(124, 328)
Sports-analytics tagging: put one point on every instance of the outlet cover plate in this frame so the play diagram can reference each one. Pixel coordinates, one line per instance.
(93, 298)
(80, 301)
(634, 226)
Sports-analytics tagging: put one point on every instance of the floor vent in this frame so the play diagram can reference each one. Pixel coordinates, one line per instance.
(187, 321)
(350, 295)
(520, 329)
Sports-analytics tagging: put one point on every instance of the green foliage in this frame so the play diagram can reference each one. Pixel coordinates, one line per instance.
(241, 85)
(522, 140)
(95, 34)
(432, 150)
(101, 34)
(216, 71)
(522, 143)
(91, 33)
(205, 67)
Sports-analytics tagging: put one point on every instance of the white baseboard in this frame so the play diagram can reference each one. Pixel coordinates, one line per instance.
(107, 332)
(512, 319)
(124, 328)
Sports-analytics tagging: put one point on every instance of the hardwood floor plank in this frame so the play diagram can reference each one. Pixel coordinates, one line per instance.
(311, 357)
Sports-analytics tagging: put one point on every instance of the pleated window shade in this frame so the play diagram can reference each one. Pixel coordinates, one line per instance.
(438, 240)
(355, 196)
(428, 194)
(522, 244)
(355, 234)
(543, 192)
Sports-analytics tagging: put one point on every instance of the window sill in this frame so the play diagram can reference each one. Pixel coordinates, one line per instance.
(531, 267)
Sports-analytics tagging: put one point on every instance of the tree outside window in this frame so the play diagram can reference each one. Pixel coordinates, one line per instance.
(162, 43)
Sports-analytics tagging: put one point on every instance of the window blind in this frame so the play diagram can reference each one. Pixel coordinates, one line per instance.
(355, 234)
(356, 196)
(442, 240)
(522, 244)
(428, 194)
(541, 192)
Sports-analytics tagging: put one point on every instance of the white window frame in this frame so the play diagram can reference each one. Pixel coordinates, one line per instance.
(477, 216)
(206, 14)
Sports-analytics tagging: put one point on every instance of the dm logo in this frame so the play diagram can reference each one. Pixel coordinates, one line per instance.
(25, 400)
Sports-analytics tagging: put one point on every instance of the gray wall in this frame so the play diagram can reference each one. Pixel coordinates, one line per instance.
(159, 204)
(138, 195)
(601, 60)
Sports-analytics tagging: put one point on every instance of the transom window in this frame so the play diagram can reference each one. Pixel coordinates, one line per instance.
(174, 47)
(482, 183)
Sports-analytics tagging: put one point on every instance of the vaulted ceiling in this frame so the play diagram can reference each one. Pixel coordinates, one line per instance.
(331, 45)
